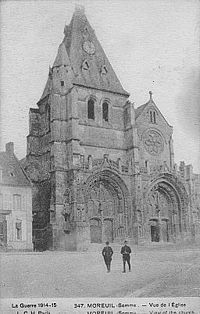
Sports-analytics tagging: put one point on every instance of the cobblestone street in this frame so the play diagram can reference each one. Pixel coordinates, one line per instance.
(156, 271)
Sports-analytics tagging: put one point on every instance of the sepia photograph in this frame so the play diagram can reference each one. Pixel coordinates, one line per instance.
(100, 155)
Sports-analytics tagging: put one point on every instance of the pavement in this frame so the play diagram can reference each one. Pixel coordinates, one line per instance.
(157, 271)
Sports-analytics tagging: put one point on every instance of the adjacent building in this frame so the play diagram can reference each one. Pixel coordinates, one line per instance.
(192, 183)
(101, 169)
(15, 203)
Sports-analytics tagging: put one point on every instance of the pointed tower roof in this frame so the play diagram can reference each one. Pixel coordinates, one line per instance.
(48, 85)
(62, 57)
(82, 51)
(83, 46)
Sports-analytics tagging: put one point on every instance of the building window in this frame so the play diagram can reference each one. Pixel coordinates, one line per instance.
(62, 83)
(91, 109)
(152, 116)
(18, 230)
(17, 202)
(105, 111)
(1, 230)
(1, 201)
(104, 70)
(85, 65)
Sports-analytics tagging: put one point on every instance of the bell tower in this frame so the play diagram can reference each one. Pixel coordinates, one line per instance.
(101, 169)
(76, 134)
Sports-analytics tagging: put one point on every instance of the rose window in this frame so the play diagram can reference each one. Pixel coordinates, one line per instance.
(153, 142)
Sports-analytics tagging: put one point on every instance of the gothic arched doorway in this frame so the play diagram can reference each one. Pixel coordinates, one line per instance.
(95, 230)
(165, 209)
(107, 207)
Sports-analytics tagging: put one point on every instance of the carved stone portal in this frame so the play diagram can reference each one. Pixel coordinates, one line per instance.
(163, 211)
(106, 209)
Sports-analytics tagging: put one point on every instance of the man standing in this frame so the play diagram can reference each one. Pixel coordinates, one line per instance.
(126, 251)
(107, 254)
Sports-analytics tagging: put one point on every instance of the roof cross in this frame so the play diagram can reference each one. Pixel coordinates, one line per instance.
(150, 93)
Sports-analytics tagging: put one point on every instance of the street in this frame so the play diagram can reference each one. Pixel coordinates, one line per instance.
(156, 272)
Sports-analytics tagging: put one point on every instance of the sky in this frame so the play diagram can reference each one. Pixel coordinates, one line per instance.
(151, 44)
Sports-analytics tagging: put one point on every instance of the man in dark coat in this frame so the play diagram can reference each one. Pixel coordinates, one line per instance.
(126, 251)
(107, 255)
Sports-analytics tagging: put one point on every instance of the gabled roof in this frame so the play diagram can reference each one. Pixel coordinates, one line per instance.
(100, 74)
(13, 174)
(140, 109)
(62, 57)
(48, 85)
(47, 88)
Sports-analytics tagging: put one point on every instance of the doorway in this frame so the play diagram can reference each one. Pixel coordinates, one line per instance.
(155, 233)
(107, 230)
(165, 230)
(106, 206)
(95, 231)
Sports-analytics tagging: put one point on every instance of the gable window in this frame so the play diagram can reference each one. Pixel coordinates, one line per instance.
(104, 70)
(18, 226)
(17, 201)
(105, 111)
(154, 117)
(85, 65)
(91, 109)
(152, 114)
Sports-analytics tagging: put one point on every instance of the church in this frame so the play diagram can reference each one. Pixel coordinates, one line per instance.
(101, 169)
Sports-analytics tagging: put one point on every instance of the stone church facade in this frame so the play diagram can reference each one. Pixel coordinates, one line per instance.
(101, 169)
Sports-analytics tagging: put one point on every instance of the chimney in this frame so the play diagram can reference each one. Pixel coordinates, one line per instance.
(10, 148)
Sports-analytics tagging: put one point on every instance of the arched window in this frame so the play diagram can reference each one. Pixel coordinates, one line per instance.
(105, 111)
(91, 109)
(18, 226)
(152, 116)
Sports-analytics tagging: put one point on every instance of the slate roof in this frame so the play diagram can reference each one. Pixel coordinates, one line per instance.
(47, 88)
(13, 173)
(71, 53)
